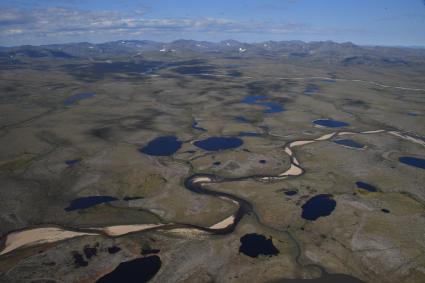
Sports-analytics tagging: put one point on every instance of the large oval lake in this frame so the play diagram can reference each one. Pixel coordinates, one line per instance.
(254, 245)
(138, 270)
(413, 161)
(162, 146)
(219, 143)
(318, 206)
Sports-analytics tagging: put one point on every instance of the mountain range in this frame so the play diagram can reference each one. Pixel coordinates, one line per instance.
(323, 51)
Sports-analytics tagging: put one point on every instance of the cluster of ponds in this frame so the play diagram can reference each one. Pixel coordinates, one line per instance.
(317, 206)
(168, 145)
(252, 245)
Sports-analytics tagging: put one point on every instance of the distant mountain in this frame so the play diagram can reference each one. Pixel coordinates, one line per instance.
(346, 54)
(36, 52)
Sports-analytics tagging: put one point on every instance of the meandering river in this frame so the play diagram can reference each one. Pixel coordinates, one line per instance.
(195, 183)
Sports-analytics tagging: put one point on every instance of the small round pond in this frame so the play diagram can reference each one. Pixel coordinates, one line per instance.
(330, 123)
(366, 186)
(349, 143)
(86, 202)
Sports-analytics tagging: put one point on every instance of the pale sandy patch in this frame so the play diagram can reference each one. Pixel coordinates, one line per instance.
(299, 143)
(38, 236)
(187, 232)
(292, 171)
(346, 133)
(202, 180)
(288, 151)
(224, 223)
(267, 179)
(373, 132)
(408, 138)
(228, 199)
(325, 137)
(125, 229)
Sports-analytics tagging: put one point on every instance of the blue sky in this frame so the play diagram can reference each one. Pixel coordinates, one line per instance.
(367, 22)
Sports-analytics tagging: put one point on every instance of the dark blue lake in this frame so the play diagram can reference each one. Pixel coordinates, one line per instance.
(272, 107)
(291, 193)
(349, 143)
(413, 161)
(162, 146)
(330, 123)
(219, 143)
(254, 245)
(72, 162)
(134, 271)
(86, 202)
(77, 97)
(318, 206)
(366, 186)
(196, 127)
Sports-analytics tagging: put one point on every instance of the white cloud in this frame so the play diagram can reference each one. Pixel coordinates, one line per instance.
(13, 31)
(59, 24)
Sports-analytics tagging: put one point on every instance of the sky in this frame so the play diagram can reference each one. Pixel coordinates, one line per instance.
(363, 22)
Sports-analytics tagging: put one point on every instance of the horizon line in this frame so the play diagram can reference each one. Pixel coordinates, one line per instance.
(242, 42)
